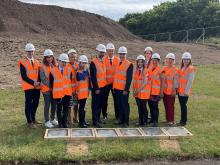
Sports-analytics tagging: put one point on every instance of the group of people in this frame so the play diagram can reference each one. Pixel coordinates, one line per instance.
(66, 83)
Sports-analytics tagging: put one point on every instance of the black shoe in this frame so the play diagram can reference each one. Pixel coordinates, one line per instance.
(97, 126)
(82, 126)
(139, 124)
(154, 125)
(86, 123)
(125, 125)
(180, 124)
(60, 126)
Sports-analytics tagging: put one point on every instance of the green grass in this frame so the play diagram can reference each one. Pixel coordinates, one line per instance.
(21, 144)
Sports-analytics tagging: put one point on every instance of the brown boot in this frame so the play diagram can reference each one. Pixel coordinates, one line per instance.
(31, 125)
(75, 116)
(69, 117)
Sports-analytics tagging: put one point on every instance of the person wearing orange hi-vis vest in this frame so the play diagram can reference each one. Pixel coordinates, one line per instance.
(82, 90)
(154, 73)
(48, 63)
(169, 81)
(72, 116)
(186, 75)
(121, 85)
(141, 89)
(110, 62)
(61, 88)
(98, 83)
(148, 52)
(29, 70)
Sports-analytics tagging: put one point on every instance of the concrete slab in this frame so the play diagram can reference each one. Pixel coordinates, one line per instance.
(82, 134)
(107, 133)
(130, 132)
(175, 132)
(57, 133)
(154, 132)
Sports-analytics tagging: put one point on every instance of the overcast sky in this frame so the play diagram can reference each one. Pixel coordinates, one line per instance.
(113, 9)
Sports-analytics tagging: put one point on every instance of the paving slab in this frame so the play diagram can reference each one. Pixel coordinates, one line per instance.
(154, 132)
(175, 132)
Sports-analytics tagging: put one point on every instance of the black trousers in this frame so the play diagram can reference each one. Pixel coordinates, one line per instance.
(97, 104)
(183, 107)
(154, 110)
(32, 97)
(105, 103)
(62, 111)
(123, 106)
(82, 112)
(142, 110)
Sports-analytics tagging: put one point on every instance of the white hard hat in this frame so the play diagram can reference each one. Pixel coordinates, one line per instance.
(83, 58)
(140, 57)
(148, 49)
(186, 55)
(64, 57)
(110, 46)
(48, 52)
(29, 47)
(71, 51)
(101, 48)
(122, 49)
(171, 56)
(156, 56)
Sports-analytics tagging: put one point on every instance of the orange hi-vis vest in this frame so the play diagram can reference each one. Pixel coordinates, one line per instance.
(47, 71)
(73, 81)
(120, 75)
(100, 72)
(183, 75)
(169, 74)
(58, 90)
(154, 80)
(31, 71)
(110, 69)
(138, 82)
(67, 81)
(82, 88)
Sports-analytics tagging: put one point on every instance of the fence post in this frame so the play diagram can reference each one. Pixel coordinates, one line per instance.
(169, 38)
(203, 35)
(154, 37)
(187, 36)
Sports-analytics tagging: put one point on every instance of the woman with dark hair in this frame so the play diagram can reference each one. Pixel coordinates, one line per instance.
(48, 63)
(141, 90)
(186, 75)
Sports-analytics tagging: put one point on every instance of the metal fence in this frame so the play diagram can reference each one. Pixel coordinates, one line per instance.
(197, 35)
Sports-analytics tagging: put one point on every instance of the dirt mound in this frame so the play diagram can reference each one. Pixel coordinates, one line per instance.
(21, 17)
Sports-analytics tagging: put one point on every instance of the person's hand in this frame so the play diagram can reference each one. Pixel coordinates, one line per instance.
(97, 92)
(161, 95)
(187, 95)
(36, 84)
(124, 92)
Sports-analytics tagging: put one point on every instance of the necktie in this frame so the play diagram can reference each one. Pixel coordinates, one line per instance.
(61, 71)
(139, 72)
(110, 61)
(32, 63)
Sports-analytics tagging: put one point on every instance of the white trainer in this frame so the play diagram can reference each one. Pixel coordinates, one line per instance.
(54, 122)
(48, 124)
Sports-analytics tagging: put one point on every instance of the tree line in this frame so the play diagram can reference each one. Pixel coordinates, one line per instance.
(174, 16)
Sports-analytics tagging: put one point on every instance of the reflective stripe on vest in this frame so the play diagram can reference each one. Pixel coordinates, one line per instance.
(82, 89)
(46, 70)
(58, 90)
(110, 69)
(120, 75)
(100, 73)
(31, 71)
(67, 80)
(154, 77)
(183, 79)
(169, 79)
(138, 82)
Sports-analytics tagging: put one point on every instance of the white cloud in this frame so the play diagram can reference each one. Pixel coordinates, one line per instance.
(108, 8)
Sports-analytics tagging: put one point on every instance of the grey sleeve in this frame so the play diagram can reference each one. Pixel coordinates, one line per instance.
(189, 83)
(44, 79)
(176, 84)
